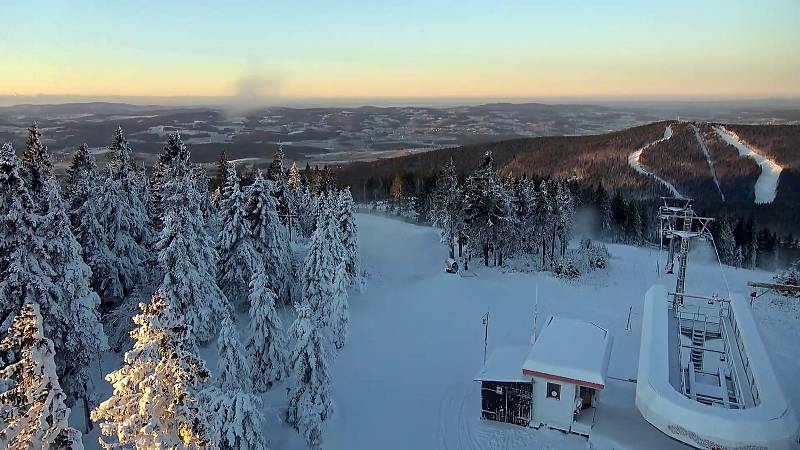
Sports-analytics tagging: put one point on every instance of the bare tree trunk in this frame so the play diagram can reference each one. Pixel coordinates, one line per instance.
(544, 253)
(486, 255)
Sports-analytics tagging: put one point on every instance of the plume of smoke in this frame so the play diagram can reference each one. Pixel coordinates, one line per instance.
(252, 92)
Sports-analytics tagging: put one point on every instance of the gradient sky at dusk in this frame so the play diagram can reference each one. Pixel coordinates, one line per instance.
(402, 49)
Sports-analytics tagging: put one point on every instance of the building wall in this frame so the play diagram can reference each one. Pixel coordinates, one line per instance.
(549, 411)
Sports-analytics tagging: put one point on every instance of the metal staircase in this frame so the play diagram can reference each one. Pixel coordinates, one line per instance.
(698, 341)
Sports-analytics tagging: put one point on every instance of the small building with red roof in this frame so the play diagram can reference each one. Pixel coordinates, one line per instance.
(554, 383)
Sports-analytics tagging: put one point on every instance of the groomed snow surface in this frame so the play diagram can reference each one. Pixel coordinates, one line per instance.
(635, 163)
(405, 378)
(767, 182)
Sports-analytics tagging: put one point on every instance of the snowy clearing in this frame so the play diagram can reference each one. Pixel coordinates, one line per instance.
(703, 147)
(405, 378)
(767, 183)
(634, 157)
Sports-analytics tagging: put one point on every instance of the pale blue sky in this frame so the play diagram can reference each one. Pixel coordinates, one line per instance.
(402, 49)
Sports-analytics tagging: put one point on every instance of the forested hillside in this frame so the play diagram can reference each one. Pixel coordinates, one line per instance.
(691, 157)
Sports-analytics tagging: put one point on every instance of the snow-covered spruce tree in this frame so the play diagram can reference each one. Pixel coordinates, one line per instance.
(233, 370)
(79, 337)
(25, 274)
(270, 237)
(236, 412)
(306, 210)
(309, 396)
(121, 213)
(603, 204)
(276, 173)
(565, 215)
(81, 182)
(120, 223)
(524, 209)
(447, 207)
(36, 167)
(294, 194)
(40, 262)
(187, 256)
(293, 180)
(727, 244)
(35, 414)
(542, 216)
(487, 210)
(173, 151)
(340, 313)
(107, 270)
(164, 372)
(208, 211)
(238, 257)
(122, 167)
(221, 171)
(266, 345)
(325, 254)
(349, 234)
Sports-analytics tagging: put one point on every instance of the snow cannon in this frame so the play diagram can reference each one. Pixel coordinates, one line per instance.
(450, 265)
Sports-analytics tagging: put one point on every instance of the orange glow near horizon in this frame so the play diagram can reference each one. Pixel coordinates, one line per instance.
(408, 49)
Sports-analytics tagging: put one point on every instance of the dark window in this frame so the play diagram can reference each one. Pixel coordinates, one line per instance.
(554, 391)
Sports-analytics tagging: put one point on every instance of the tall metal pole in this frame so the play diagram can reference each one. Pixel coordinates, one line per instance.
(485, 335)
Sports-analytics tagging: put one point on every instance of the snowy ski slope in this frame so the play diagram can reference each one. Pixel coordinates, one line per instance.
(767, 182)
(635, 163)
(404, 380)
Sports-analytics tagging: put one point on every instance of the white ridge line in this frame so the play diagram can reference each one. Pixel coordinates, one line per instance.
(703, 147)
(767, 183)
(633, 161)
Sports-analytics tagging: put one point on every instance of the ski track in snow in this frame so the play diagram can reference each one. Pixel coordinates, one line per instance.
(633, 161)
(767, 183)
(703, 147)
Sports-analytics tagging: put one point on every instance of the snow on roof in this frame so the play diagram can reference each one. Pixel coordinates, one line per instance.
(505, 365)
(571, 350)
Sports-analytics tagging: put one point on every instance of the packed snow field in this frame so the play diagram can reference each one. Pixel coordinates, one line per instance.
(404, 380)
(634, 160)
(767, 183)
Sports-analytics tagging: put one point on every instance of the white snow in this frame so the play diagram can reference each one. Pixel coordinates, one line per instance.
(573, 349)
(768, 424)
(505, 365)
(767, 182)
(635, 163)
(703, 147)
(405, 378)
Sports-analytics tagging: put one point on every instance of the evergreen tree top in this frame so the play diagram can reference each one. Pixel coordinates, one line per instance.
(36, 162)
(233, 369)
(175, 153)
(276, 172)
(122, 163)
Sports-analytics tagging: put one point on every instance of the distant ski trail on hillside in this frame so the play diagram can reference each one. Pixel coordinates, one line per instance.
(767, 183)
(703, 147)
(633, 160)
